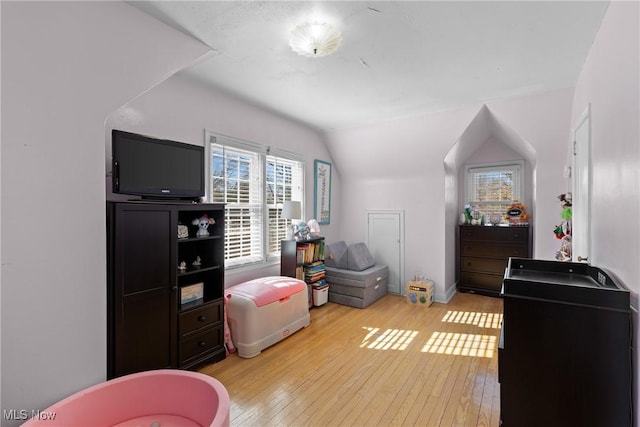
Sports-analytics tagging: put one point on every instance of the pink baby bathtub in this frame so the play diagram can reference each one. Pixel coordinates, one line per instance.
(162, 398)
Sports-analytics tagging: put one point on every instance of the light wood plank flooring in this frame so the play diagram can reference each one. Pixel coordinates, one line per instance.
(390, 364)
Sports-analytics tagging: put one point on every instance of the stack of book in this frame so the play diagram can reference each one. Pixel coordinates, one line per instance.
(315, 273)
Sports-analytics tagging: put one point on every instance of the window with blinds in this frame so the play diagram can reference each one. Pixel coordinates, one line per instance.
(492, 188)
(253, 182)
(284, 182)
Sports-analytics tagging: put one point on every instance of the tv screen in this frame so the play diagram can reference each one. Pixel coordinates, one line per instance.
(156, 168)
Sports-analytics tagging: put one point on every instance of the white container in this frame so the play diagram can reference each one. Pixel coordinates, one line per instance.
(264, 311)
(320, 296)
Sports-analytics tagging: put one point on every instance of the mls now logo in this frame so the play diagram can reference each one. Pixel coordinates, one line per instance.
(23, 414)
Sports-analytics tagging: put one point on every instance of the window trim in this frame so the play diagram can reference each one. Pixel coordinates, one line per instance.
(518, 165)
(263, 152)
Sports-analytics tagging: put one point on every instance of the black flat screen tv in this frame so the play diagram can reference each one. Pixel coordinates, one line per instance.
(156, 168)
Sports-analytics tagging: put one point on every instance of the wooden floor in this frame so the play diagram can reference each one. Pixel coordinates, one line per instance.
(389, 364)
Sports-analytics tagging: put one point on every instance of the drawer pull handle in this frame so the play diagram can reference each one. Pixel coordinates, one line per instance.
(202, 343)
(202, 318)
(516, 235)
(517, 252)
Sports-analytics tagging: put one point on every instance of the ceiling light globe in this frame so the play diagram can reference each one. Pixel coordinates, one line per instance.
(315, 40)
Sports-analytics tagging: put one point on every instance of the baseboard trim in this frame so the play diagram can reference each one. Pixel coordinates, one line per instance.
(448, 295)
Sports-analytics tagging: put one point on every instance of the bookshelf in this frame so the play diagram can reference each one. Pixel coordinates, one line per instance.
(304, 260)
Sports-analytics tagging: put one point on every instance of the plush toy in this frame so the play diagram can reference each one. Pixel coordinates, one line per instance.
(565, 199)
(517, 213)
(301, 231)
(203, 224)
(563, 231)
(564, 254)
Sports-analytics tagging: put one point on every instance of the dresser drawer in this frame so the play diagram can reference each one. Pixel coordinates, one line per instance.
(201, 317)
(490, 250)
(488, 282)
(200, 343)
(479, 233)
(515, 234)
(483, 265)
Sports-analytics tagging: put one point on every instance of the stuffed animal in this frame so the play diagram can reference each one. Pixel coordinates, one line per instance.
(517, 213)
(563, 231)
(203, 224)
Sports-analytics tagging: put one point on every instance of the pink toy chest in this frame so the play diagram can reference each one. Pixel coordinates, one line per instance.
(264, 311)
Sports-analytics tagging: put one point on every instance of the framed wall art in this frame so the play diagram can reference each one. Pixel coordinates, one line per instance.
(322, 191)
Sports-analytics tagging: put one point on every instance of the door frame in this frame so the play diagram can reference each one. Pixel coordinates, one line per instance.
(400, 214)
(583, 211)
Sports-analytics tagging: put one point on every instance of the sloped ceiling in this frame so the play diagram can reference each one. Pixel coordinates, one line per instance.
(397, 59)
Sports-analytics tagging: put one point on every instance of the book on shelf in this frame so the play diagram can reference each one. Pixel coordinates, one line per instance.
(307, 253)
(314, 269)
(311, 279)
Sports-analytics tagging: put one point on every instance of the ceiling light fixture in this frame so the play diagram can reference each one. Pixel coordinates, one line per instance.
(315, 39)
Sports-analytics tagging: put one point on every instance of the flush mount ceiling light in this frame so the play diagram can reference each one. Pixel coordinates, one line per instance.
(315, 39)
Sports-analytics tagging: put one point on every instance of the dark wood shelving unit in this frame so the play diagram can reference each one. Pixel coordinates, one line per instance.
(292, 266)
(148, 326)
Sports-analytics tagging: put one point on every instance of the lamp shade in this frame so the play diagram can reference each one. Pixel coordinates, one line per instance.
(315, 39)
(291, 210)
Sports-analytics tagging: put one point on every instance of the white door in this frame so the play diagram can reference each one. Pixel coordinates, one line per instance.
(581, 187)
(385, 240)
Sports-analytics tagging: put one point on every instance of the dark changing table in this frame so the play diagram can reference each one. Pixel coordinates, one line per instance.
(565, 346)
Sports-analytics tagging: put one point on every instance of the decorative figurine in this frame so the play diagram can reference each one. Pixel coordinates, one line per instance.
(182, 266)
(183, 231)
(203, 224)
(197, 262)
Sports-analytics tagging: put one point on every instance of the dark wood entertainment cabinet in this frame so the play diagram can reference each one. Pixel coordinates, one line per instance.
(147, 326)
(484, 252)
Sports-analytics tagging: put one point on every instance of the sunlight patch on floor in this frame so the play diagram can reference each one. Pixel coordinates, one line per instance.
(456, 344)
(482, 320)
(390, 339)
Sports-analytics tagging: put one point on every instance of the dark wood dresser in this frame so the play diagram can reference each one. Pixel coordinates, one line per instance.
(565, 356)
(484, 252)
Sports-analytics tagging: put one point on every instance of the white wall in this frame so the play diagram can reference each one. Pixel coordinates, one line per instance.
(400, 165)
(180, 109)
(495, 150)
(609, 81)
(65, 67)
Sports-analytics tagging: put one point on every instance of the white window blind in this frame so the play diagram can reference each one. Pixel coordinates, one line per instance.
(284, 180)
(253, 182)
(492, 188)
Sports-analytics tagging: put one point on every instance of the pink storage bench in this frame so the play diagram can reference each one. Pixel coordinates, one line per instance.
(264, 311)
